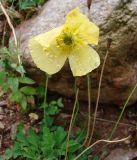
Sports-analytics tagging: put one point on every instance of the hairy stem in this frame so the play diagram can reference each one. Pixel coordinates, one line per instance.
(45, 96)
(89, 108)
(77, 107)
(99, 88)
(71, 123)
(123, 109)
(102, 140)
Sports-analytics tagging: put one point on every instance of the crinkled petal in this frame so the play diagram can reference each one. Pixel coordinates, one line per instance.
(46, 38)
(49, 61)
(83, 60)
(88, 30)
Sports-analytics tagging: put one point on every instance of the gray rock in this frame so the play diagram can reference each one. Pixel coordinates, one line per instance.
(117, 19)
(121, 154)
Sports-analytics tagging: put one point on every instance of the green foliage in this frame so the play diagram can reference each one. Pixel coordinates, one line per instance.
(27, 4)
(96, 158)
(13, 79)
(49, 143)
(52, 109)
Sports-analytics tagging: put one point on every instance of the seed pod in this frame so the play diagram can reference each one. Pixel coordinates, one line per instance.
(89, 2)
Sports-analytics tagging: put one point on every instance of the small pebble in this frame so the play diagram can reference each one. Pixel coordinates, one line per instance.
(1, 117)
(1, 110)
(1, 126)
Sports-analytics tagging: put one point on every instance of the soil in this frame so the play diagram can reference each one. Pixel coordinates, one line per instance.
(106, 118)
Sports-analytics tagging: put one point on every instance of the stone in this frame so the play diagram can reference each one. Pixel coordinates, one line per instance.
(1, 26)
(121, 154)
(1, 126)
(117, 20)
(13, 130)
(1, 110)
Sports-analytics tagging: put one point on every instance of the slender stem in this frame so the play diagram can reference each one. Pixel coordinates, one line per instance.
(99, 89)
(14, 33)
(3, 36)
(102, 140)
(71, 123)
(89, 2)
(123, 109)
(89, 108)
(10, 24)
(77, 107)
(45, 96)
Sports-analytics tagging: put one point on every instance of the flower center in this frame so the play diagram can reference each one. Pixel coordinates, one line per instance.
(68, 40)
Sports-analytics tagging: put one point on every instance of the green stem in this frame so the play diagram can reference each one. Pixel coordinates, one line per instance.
(89, 108)
(77, 107)
(109, 41)
(121, 114)
(45, 96)
(71, 124)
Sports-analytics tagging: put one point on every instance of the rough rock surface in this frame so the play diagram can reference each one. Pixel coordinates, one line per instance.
(117, 19)
(121, 154)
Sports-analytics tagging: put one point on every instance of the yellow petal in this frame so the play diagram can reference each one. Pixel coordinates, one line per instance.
(50, 61)
(88, 30)
(83, 60)
(46, 38)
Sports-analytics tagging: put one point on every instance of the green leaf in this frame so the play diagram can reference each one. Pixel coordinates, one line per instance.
(40, 91)
(31, 100)
(80, 135)
(16, 96)
(17, 68)
(32, 138)
(23, 102)
(13, 82)
(20, 69)
(8, 155)
(27, 4)
(96, 158)
(26, 80)
(47, 140)
(74, 146)
(4, 50)
(52, 110)
(60, 103)
(49, 120)
(2, 77)
(22, 139)
(27, 90)
(13, 65)
(60, 135)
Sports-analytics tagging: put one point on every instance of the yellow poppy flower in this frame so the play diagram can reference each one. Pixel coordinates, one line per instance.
(50, 50)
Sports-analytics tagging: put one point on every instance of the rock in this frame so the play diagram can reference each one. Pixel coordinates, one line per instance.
(1, 126)
(1, 110)
(13, 130)
(1, 117)
(121, 154)
(1, 26)
(117, 19)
